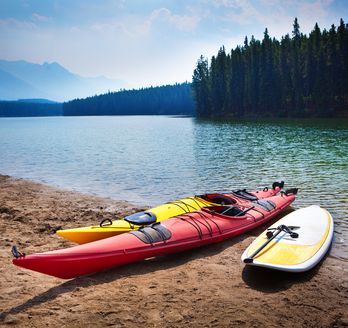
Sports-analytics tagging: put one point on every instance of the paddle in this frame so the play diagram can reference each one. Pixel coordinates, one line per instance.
(271, 235)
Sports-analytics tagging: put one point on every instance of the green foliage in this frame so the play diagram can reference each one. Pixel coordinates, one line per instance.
(200, 85)
(298, 76)
(165, 100)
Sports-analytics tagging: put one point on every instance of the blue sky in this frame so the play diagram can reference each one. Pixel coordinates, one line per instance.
(149, 42)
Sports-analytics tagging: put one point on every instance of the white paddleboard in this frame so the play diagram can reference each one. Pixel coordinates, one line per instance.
(314, 226)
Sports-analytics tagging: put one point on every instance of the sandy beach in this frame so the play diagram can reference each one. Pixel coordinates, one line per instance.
(207, 287)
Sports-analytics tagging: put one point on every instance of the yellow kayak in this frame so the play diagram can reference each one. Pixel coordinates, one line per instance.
(111, 228)
(108, 228)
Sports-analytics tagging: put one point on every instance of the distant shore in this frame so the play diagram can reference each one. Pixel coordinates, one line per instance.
(207, 287)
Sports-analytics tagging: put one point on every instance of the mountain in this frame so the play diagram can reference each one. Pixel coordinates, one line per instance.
(12, 87)
(22, 79)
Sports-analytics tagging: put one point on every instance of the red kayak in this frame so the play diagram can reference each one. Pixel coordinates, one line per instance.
(206, 226)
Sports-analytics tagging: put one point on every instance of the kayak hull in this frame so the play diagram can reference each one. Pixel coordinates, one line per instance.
(180, 233)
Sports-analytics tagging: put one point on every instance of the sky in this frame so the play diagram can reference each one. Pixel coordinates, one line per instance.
(148, 42)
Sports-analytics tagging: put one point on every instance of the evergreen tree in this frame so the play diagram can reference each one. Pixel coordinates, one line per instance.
(200, 85)
(299, 76)
(296, 68)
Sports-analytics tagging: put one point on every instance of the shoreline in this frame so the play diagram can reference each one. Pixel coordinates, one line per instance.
(205, 287)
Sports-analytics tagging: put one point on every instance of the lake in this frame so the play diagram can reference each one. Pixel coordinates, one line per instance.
(149, 160)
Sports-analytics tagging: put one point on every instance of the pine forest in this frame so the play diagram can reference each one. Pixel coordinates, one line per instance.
(298, 76)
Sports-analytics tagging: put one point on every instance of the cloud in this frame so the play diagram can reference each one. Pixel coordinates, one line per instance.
(75, 29)
(317, 9)
(243, 12)
(11, 23)
(276, 15)
(184, 23)
(148, 41)
(139, 26)
(25, 25)
(111, 27)
(40, 18)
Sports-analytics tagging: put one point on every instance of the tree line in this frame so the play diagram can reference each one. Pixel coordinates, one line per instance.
(27, 108)
(298, 76)
(164, 100)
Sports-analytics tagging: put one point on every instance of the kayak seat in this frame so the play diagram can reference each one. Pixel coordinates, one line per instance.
(218, 199)
(244, 195)
(141, 218)
(266, 205)
(152, 234)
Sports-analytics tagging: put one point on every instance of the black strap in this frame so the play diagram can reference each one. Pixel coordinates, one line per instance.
(194, 198)
(163, 236)
(266, 205)
(209, 218)
(147, 235)
(194, 224)
(197, 221)
(244, 195)
(208, 226)
(153, 233)
(188, 206)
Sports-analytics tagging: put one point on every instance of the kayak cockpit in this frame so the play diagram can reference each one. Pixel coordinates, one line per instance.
(239, 211)
(218, 199)
(231, 211)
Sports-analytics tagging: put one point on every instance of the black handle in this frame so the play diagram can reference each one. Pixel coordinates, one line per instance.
(105, 223)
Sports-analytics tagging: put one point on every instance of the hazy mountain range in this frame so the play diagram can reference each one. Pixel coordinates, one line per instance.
(22, 79)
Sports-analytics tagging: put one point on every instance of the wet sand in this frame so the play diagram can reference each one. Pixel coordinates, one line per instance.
(207, 287)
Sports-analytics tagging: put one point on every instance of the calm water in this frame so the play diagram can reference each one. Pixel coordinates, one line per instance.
(149, 160)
